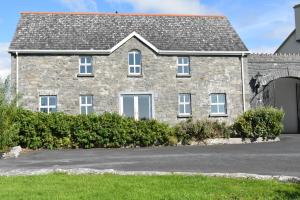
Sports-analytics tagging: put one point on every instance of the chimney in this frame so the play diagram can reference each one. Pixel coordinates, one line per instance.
(297, 21)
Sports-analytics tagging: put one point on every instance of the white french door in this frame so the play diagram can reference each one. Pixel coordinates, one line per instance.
(137, 106)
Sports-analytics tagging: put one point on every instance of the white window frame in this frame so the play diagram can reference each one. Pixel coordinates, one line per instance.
(183, 65)
(218, 104)
(135, 66)
(48, 106)
(135, 103)
(86, 105)
(86, 64)
(184, 103)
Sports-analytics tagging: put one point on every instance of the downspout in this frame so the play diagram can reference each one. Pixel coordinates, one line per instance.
(17, 79)
(243, 83)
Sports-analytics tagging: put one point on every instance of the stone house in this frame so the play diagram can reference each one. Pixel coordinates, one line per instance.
(167, 67)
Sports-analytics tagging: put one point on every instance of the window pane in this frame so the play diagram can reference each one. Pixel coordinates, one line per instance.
(130, 57)
(138, 58)
(82, 60)
(221, 108)
(180, 70)
(89, 99)
(181, 108)
(137, 70)
(186, 69)
(144, 106)
(221, 98)
(187, 98)
(89, 69)
(185, 60)
(88, 60)
(89, 109)
(82, 69)
(214, 109)
(44, 110)
(52, 109)
(180, 60)
(82, 110)
(44, 101)
(131, 69)
(188, 108)
(52, 100)
(128, 105)
(83, 100)
(213, 98)
(181, 98)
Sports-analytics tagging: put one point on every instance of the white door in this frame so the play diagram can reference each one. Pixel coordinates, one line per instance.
(137, 106)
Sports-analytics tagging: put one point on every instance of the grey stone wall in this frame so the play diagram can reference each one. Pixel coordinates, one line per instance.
(57, 75)
(271, 67)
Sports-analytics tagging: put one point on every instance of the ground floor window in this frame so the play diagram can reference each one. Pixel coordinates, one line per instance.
(137, 106)
(218, 103)
(48, 104)
(86, 104)
(184, 104)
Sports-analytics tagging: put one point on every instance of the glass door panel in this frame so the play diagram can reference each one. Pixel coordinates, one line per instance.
(144, 107)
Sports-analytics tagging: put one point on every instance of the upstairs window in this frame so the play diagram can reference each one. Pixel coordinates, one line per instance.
(134, 63)
(218, 104)
(183, 66)
(86, 104)
(48, 104)
(184, 105)
(85, 65)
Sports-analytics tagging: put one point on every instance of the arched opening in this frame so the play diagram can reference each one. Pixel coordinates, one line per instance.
(285, 93)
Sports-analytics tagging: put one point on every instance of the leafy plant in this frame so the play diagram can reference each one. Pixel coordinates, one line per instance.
(265, 122)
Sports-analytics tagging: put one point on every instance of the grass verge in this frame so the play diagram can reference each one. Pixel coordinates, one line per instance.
(62, 186)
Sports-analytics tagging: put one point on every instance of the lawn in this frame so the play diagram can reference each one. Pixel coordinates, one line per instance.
(62, 186)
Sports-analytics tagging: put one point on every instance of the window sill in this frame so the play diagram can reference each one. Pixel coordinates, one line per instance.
(184, 116)
(85, 75)
(183, 76)
(218, 115)
(134, 75)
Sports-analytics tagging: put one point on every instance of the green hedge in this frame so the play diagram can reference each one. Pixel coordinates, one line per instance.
(59, 130)
(265, 122)
(199, 130)
(36, 130)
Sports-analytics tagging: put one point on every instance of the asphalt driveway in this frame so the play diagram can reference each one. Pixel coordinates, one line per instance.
(280, 158)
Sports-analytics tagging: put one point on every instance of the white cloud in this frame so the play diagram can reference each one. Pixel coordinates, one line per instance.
(165, 6)
(4, 60)
(80, 5)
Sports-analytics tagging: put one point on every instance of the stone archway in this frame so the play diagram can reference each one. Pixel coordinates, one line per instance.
(275, 81)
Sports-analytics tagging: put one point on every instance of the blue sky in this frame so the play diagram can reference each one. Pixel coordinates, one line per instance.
(262, 24)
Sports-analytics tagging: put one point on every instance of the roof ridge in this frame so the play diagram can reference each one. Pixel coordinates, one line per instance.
(122, 14)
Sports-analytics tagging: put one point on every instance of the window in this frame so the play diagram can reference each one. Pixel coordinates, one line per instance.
(137, 106)
(85, 65)
(218, 104)
(183, 66)
(134, 63)
(184, 104)
(48, 104)
(86, 105)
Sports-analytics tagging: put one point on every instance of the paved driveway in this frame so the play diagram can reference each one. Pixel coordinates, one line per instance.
(281, 158)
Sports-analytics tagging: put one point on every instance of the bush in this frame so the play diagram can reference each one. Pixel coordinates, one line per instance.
(200, 130)
(59, 130)
(8, 129)
(265, 122)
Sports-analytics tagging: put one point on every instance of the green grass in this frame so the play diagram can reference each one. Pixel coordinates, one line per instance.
(62, 186)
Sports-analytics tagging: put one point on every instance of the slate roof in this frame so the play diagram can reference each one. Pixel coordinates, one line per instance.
(84, 31)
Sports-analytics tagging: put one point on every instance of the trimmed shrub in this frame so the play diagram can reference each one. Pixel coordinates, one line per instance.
(59, 130)
(199, 130)
(265, 122)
